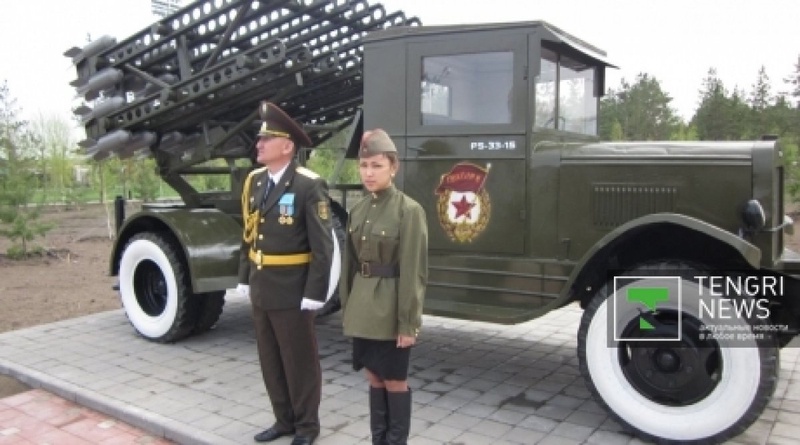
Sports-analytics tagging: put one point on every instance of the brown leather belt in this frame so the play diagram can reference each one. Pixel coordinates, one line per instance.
(370, 269)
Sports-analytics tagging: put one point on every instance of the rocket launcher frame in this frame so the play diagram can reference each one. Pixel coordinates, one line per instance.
(200, 73)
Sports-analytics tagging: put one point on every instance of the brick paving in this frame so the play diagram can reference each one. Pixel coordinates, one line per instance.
(474, 383)
(39, 417)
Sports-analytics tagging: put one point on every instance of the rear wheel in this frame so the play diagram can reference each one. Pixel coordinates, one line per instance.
(154, 289)
(333, 303)
(694, 390)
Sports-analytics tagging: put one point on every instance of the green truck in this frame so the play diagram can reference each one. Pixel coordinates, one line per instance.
(675, 250)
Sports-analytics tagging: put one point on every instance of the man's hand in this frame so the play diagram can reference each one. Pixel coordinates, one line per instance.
(308, 304)
(243, 290)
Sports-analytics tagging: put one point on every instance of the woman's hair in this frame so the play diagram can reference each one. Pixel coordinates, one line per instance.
(393, 158)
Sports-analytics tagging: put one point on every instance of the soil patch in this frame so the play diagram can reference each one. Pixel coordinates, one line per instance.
(68, 278)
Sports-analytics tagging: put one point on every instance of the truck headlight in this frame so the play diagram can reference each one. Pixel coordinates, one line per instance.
(753, 216)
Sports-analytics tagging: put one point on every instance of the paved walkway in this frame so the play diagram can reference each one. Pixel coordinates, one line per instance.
(38, 417)
(474, 383)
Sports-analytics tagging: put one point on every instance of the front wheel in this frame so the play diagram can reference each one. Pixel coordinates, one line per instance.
(691, 390)
(154, 289)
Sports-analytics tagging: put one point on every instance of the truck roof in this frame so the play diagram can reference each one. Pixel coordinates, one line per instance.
(550, 33)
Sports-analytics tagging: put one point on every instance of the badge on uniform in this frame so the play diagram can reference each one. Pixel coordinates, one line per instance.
(286, 205)
(323, 210)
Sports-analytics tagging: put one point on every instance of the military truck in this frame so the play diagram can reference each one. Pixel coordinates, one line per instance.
(496, 126)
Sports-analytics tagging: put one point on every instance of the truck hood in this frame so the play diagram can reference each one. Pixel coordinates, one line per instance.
(693, 149)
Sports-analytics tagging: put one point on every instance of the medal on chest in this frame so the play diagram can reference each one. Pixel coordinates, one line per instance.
(286, 208)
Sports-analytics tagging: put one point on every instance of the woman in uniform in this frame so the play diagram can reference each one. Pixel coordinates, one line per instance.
(384, 274)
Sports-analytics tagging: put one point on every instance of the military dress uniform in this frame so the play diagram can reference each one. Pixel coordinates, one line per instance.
(385, 268)
(382, 290)
(286, 257)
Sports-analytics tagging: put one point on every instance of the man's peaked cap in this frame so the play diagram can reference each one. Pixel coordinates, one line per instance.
(278, 124)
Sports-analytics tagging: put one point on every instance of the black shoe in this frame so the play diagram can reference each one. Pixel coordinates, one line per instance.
(303, 440)
(270, 434)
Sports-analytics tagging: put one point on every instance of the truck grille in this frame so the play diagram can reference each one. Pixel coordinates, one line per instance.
(614, 205)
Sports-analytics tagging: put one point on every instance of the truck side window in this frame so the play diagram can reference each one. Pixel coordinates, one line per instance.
(565, 94)
(466, 89)
(546, 90)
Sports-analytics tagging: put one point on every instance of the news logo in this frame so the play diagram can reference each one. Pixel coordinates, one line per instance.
(732, 309)
(645, 296)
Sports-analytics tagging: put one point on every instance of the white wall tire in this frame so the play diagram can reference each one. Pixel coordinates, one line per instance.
(743, 380)
(154, 290)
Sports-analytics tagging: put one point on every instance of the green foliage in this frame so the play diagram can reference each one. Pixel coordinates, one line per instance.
(720, 113)
(684, 132)
(637, 112)
(22, 227)
(18, 218)
(144, 180)
(325, 159)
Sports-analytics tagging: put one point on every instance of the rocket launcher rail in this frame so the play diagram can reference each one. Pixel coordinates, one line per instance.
(186, 89)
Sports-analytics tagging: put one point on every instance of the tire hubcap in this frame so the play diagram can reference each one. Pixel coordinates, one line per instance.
(150, 287)
(673, 373)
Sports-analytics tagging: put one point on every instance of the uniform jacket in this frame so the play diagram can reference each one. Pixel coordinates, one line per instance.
(283, 287)
(387, 228)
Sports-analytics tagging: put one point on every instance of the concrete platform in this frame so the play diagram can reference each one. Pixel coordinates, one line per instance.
(474, 383)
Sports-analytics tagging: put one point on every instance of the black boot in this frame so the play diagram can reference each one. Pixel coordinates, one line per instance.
(399, 417)
(378, 415)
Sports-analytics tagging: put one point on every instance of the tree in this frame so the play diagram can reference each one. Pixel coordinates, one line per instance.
(793, 80)
(55, 154)
(642, 110)
(794, 83)
(18, 219)
(760, 101)
(720, 115)
(145, 181)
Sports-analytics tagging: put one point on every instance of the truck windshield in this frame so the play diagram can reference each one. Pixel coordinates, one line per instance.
(565, 98)
(467, 89)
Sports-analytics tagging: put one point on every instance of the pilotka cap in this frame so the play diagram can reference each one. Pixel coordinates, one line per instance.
(376, 142)
(278, 124)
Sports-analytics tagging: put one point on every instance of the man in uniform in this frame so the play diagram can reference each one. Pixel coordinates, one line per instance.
(285, 264)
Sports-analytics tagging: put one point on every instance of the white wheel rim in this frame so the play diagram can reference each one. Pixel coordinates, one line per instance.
(729, 401)
(148, 325)
(336, 268)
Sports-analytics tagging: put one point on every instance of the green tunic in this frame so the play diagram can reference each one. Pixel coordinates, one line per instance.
(386, 228)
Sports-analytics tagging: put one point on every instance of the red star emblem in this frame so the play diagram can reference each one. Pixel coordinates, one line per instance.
(463, 207)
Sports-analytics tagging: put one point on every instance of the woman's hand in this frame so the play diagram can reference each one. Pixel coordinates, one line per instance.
(406, 341)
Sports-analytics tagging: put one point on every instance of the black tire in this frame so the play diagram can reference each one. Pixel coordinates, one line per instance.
(652, 388)
(207, 308)
(155, 290)
(338, 223)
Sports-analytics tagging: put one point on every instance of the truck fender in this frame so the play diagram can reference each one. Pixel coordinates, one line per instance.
(207, 239)
(749, 253)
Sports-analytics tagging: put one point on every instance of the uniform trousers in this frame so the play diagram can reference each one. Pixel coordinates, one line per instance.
(287, 350)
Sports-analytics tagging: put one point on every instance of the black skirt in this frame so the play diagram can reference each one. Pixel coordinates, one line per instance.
(382, 357)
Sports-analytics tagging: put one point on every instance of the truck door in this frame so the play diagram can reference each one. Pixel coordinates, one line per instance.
(466, 138)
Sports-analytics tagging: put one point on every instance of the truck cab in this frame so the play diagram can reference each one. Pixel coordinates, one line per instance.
(477, 105)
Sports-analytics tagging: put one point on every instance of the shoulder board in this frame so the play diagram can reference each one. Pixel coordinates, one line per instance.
(257, 171)
(307, 173)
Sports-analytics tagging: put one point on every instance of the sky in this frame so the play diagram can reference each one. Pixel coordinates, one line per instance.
(675, 41)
